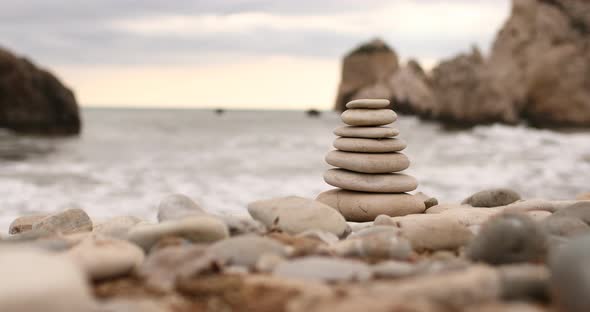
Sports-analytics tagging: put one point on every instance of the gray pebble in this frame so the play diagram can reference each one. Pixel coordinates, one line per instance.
(509, 238)
(570, 277)
(66, 222)
(524, 282)
(492, 198)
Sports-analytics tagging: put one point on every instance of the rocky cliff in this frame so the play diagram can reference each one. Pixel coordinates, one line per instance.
(33, 101)
(538, 70)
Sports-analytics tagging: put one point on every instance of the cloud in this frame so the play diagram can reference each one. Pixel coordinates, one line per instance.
(156, 31)
(99, 45)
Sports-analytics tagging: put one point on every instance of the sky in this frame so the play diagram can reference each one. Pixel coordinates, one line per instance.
(278, 54)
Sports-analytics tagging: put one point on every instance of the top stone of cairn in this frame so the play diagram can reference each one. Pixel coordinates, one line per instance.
(368, 103)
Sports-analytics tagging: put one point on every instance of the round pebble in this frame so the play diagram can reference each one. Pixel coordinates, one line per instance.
(178, 206)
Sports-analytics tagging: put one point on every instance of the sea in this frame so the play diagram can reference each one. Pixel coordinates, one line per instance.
(126, 160)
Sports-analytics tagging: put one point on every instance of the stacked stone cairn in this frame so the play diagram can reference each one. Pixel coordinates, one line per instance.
(369, 164)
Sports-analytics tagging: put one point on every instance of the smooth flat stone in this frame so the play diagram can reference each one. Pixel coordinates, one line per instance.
(366, 132)
(324, 269)
(363, 207)
(368, 117)
(368, 103)
(369, 145)
(198, 229)
(368, 163)
(365, 182)
(103, 258)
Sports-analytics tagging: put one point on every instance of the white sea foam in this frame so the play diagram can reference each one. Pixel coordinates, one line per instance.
(127, 160)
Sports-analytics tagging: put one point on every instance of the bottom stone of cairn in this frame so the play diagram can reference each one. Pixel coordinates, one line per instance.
(364, 207)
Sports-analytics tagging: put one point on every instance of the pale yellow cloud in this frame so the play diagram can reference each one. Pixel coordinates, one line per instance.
(270, 83)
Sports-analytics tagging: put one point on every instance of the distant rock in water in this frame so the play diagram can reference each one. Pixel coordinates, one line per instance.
(314, 113)
(219, 111)
(365, 70)
(537, 72)
(33, 101)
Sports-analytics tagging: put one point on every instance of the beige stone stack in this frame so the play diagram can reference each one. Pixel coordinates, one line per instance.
(369, 164)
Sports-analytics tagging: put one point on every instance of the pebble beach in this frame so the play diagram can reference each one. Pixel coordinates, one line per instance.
(371, 244)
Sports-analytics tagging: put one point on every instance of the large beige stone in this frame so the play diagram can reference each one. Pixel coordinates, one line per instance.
(35, 281)
(362, 207)
(368, 117)
(366, 132)
(365, 182)
(360, 145)
(295, 215)
(368, 163)
(368, 103)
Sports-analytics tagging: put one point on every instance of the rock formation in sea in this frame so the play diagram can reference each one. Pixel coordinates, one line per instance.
(33, 101)
(537, 71)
